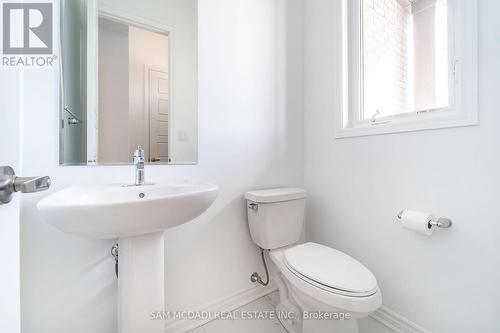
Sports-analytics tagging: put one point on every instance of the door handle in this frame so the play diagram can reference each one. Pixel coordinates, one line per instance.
(10, 183)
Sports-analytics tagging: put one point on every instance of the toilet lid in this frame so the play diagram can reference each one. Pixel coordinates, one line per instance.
(331, 268)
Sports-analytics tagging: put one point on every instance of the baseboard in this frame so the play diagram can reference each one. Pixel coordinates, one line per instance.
(396, 322)
(229, 303)
(385, 316)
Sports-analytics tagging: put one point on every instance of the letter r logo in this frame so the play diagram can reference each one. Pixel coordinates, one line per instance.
(27, 28)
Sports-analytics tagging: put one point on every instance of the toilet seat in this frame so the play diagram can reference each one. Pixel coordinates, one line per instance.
(330, 270)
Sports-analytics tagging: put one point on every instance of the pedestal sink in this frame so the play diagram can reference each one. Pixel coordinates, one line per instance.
(137, 216)
(118, 211)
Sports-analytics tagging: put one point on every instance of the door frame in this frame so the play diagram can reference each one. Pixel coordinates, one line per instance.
(12, 90)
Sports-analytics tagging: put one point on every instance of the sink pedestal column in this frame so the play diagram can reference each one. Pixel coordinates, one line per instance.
(141, 283)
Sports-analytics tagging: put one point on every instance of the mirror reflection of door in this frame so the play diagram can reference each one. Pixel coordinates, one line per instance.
(134, 101)
(158, 112)
(129, 79)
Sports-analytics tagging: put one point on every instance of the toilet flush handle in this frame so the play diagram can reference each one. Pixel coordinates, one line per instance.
(253, 206)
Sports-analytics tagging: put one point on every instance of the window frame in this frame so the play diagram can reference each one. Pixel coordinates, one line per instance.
(463, 80)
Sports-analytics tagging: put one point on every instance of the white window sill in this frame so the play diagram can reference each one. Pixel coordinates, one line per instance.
(405, 125)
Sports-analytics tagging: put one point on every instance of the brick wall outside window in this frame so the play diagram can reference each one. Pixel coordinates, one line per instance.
(386, 57)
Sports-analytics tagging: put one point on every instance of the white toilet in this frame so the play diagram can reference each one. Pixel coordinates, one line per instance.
(321, 290)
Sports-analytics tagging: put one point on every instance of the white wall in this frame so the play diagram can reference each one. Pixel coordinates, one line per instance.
(446, 283)
(250, 136)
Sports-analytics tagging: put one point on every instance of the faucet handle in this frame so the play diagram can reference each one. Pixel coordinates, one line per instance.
(139, 152)
(139, 155)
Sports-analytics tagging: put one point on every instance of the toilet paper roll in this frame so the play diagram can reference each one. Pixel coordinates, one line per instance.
(417, 221)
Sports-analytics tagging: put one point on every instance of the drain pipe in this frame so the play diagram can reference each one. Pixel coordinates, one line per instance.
(256, 277)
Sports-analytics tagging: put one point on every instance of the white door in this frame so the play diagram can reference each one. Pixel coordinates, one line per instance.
(159, 110)
(10, 298)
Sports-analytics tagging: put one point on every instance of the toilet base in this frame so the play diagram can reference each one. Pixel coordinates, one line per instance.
(306, 308)
(330, 326)
(295, 324)
(296, 311)
(293, 307)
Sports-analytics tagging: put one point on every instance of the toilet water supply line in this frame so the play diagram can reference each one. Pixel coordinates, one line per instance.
(256, 277)
(115, 254)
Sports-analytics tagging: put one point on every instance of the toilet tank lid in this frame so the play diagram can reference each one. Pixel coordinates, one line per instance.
(276, 195)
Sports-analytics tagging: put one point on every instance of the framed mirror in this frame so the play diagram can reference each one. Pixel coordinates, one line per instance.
(128, 80)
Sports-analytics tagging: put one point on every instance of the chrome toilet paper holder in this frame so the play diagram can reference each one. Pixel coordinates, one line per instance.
(442, 222)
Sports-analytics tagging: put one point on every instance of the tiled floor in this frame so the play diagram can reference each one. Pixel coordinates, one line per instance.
(266, 304)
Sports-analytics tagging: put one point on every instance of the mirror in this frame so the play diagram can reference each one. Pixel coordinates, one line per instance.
(129, 79)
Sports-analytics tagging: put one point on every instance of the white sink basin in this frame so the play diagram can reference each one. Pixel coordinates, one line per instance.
(115, 211)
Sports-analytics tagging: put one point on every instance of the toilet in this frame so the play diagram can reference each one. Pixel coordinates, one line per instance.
(322, 290)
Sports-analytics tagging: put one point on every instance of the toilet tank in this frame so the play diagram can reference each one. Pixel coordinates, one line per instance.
(276, 216)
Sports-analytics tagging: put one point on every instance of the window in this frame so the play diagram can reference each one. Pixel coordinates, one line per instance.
(407, 65)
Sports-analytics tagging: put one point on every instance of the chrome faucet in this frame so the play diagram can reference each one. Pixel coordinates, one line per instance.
(139, 166)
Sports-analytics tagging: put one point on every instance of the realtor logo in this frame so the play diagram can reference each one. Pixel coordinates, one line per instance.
(27, 28)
